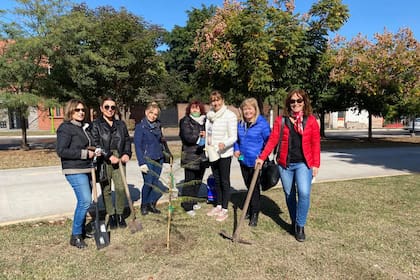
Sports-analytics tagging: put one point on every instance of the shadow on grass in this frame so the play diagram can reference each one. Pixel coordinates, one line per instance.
(268, 207)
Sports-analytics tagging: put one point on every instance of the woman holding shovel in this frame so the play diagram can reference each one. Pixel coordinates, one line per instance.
(253, 132)
(111, 135)
(298, 157)
(76, 161)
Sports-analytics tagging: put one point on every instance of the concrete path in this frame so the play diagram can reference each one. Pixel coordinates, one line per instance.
(43, 193)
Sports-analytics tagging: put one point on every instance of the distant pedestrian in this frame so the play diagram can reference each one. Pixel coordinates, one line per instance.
(221, 134)
(73, 142)
(253, 132)
(192, 133)
(111, 135)
(299, 156)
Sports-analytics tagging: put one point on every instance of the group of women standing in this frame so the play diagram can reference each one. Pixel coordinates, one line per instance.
(251, 141)
(208, 139)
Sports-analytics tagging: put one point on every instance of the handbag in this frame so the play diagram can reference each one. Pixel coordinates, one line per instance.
(270, 175)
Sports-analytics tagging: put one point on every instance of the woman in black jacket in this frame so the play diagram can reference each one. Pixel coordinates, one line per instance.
(76, 161)
(192, 133)
(111, 135)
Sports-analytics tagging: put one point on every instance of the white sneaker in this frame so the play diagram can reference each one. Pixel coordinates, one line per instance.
(223, 214)
(196, 206)
(191, 213)
(214, 211)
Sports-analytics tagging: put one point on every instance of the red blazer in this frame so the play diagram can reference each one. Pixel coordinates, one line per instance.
(311, 142)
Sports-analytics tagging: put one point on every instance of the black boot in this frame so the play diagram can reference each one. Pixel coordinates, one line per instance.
(152, 208)
(112, 221)
(300, 233)
(121, 221)
(253, 221)
(77, 241)
(87, 231)
(144, 209)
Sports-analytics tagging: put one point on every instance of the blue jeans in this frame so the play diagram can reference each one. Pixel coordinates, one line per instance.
(297, 176)
(81, 187)
(152, 187)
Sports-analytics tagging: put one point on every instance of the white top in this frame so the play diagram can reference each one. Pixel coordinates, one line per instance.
(221, 127)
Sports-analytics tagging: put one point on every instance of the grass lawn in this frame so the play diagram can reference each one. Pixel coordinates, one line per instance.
(359, 229)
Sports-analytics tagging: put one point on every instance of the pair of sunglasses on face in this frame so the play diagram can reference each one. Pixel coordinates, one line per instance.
(107, 107)
(293, 101)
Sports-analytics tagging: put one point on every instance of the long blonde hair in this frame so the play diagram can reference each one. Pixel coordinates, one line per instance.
(253, 103)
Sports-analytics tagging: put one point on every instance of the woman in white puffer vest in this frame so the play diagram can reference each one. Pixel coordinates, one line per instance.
(221, 134)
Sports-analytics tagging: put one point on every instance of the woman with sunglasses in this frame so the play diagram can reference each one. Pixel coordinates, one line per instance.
(298, 157)
(72, 148)
(111, 135)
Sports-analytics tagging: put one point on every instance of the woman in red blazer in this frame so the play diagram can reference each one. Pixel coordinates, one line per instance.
(298, 157)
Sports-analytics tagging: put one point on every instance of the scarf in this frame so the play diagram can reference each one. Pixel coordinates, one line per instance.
(298, 122)
(199, 119)
(212, 115)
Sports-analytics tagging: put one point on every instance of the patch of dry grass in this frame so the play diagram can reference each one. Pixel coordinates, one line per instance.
(360, 229)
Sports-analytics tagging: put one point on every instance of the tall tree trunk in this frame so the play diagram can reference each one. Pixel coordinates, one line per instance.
(24, 143)
(370, 127)
(322, 124)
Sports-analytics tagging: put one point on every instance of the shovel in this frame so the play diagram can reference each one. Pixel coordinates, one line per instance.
(235, 237)
(134, 225)
(101, 234)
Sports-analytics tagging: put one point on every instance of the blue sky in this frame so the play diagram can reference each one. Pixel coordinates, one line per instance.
(367, 16)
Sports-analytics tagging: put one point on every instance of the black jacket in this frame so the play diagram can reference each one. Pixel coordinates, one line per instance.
(72, 143)
(189, 131)
(102, 132)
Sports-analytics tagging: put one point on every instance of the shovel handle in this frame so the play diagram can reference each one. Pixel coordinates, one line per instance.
(235, 236)
(127, 191)
(94, 185)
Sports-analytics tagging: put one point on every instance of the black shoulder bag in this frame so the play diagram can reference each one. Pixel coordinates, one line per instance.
(270, 173)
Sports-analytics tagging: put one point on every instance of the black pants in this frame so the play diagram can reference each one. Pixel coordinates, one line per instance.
(221, 173)
(254, 204)
(192, 182)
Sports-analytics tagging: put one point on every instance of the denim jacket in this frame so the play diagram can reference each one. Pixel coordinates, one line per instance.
(147, 141)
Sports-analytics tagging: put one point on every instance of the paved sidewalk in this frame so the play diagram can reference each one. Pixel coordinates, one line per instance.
(43, 193)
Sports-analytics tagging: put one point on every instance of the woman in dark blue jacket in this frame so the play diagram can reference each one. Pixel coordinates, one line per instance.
(253, 132)
(147, 142)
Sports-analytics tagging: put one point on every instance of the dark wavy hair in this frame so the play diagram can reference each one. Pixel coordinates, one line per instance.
(195, 103)
(307, 108)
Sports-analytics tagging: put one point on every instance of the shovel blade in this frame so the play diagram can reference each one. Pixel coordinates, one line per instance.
(102, 236)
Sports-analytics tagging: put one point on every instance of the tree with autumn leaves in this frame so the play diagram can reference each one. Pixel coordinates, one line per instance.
(254, 48)
(383, 74)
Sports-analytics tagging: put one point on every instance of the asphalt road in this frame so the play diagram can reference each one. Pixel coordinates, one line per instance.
(48, 141)
(41, 193)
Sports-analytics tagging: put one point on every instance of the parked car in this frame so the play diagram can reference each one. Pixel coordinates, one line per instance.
(409, 126)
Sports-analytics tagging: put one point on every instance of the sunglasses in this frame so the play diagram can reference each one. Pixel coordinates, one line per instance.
(107, 107)
(293, 101)
(80, 110)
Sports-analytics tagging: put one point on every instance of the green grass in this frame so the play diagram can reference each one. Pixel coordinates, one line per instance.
(359, 229)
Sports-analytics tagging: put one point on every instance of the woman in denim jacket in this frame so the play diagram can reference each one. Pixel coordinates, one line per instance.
(147, 141)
